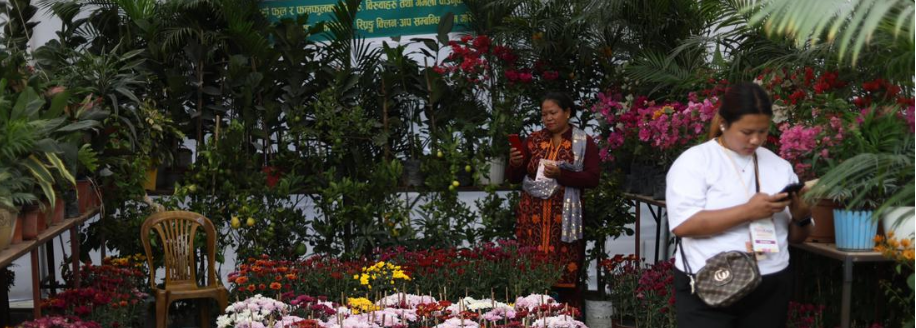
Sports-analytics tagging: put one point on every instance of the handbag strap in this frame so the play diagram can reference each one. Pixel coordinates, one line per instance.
(679, 247)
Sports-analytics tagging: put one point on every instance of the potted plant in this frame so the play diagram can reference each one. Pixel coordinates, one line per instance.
(880, 176)
(607, 214)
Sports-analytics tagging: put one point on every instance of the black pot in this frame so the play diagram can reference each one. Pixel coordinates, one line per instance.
(412, 176)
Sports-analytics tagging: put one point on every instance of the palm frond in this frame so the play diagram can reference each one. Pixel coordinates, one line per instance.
(848, 25)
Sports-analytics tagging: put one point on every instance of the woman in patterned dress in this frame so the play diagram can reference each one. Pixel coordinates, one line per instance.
(555, 164)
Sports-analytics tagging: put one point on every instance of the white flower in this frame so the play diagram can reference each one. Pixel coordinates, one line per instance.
(562, 321)
(458, 323)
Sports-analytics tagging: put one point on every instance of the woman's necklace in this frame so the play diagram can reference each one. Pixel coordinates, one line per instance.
(750, 159)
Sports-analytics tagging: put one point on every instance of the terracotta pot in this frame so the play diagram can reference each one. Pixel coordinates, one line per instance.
(17, 230)
(58, 215)
(83, 193)
(43, 217)
(823, 231)
(29, 216)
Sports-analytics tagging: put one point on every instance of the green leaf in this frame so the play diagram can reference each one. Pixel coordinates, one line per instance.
(61, 167)
(27, 105)
(445, 27)
(58, 104)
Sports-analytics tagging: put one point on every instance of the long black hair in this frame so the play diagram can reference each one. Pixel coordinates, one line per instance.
(562, 100)
(740, 99)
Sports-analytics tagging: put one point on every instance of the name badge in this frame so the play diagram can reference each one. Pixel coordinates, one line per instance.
(540, 176)
(763, 236)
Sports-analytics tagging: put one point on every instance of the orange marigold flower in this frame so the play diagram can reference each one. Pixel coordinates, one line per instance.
(908, 254)
(275, 285)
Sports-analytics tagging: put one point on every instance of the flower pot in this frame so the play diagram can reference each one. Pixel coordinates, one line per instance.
(44, 216)
(17, 229)
(83, 195)
(900, 221)
(823, 230)
(855, 230)
(57, 216)
(150, 182)
(497, 173)
(598, 313)
(412, 176)
(7, 227)
(29, 216)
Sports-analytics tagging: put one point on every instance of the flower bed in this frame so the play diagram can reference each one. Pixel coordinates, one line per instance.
(504, 268)
(400, 310)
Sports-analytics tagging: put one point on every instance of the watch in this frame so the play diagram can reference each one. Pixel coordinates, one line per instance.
(804, 222)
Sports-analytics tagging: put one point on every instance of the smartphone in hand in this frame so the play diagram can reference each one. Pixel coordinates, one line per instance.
(791, 189)
(516, 142)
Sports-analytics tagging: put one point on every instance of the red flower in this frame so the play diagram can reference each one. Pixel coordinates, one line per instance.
(551, 75)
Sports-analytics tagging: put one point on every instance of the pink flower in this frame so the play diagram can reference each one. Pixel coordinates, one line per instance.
(525, 77)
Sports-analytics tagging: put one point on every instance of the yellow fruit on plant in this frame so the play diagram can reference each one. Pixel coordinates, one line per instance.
(455, 183)
(235, 222)
(439, 154)
(250, 222)
(467, 168)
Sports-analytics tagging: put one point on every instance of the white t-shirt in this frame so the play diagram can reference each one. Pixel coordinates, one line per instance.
(703, 178)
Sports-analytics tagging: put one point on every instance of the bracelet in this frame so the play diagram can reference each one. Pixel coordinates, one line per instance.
(804, 222)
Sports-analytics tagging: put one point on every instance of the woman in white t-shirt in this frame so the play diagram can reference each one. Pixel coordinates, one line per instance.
(712, 197)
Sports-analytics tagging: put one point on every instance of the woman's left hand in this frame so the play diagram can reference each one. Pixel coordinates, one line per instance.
(552, 171)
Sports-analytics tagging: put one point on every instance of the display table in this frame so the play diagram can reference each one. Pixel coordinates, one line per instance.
(16, 251)
(849, 259)
(657, 209)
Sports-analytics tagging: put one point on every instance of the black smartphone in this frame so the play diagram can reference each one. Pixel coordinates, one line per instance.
(791, 189)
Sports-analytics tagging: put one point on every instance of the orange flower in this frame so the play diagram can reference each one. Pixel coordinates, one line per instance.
(275, 285)
(251, 288)
(123, 303)
(905, 242)
(241, 280)
(282, 269)
(291, 276)
(262, 286)
(879, 239)
(908, 254)
(278, 278)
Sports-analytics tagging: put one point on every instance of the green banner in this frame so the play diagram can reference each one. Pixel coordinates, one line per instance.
(376, 18)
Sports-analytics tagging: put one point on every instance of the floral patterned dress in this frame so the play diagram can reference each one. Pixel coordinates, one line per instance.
(540, 220)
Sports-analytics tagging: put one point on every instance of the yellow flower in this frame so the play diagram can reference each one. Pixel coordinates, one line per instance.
(908, 254)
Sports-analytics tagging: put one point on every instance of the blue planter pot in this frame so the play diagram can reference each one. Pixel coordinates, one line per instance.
(855, 230)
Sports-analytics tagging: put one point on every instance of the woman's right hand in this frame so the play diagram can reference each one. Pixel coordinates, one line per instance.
(515, 157)
(762, 206)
